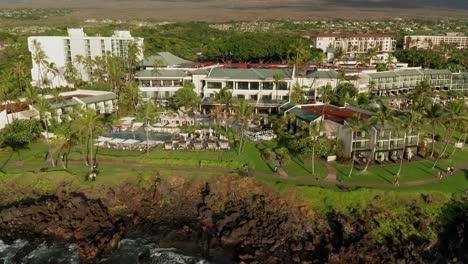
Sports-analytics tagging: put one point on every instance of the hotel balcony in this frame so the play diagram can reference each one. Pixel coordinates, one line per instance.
(363, 145)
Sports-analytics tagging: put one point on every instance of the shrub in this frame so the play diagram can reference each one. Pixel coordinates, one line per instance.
(267, 154)
(283, 155)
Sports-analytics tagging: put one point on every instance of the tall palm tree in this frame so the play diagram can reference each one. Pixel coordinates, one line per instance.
(356, 125)
(132, 57)
(51, 68)
(31, 95)
(244, 114)
(456, 113)
(148, 113)
(131, 95)
(421, 96)
(42, 107)
(91, 119)
(225, 98)
(40, 58)
(433, 114)
(298, 95)
(186, 97)
(382, 117)
(78, 128)
(326, 95)
(407, 122)
(315, 130)
(79, 61)
(278, 78)
(19, 71)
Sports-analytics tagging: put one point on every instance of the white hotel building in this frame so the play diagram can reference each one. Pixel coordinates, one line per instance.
(427, 42)
(352, 43)
(60, 50)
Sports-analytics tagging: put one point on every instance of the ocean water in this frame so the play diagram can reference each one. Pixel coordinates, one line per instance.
(130, 251)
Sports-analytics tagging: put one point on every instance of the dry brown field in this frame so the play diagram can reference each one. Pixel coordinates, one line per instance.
(228, 10)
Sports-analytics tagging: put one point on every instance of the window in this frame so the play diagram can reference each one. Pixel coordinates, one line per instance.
(254, 85)
(214, 85)
(267, 86)
(243, 85)
(230, 85)
(167, 83)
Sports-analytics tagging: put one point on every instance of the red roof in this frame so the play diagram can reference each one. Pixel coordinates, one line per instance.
(344, 35)
(14, 107)
(334, 113)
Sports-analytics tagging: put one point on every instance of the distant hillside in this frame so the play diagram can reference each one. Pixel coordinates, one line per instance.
(224, 10)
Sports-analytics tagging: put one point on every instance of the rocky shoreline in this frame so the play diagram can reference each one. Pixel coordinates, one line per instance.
(231, 218)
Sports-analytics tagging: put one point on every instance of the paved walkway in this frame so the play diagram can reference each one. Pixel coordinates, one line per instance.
(330, 180)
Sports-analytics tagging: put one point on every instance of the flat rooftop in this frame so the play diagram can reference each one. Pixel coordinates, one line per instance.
(334, 113)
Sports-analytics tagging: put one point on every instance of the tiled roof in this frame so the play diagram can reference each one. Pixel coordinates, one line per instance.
(386, 74)
(331, 74)
(248, 74)
(408, 72)
(461, 75)
(161, 73)
(431, 71)
(303, 114)
(201, 71)
(334, 113)
(286, 106)
(164, 59)
(98, 98)
(64, 103)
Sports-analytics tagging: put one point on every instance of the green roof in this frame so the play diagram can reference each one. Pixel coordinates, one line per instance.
(408, 72)
(98, 98)
(442, 71)
(382, 75)
(201, 71)
(331, 74)
(161, 73)
(64, 103)
(304, 115)
(164, 59)
(286, 106)
(461, 75)
(248, 74)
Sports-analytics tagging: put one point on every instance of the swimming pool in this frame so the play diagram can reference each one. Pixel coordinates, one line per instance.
(140, 136)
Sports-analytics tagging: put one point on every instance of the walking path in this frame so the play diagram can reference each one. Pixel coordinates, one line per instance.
(330, 180)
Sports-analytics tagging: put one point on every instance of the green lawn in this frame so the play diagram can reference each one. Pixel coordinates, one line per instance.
(301, 167)
(35, 153)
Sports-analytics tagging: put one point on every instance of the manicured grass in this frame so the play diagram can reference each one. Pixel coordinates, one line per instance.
(458, 183)
(301, 167)
(412, 171)
(35, 153)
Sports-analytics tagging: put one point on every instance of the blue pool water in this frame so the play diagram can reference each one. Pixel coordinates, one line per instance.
(140, 136)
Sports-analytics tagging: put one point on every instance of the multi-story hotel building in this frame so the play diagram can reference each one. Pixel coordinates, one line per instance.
(427, 42)
(61, 50)
(352, 43)
(402, 81)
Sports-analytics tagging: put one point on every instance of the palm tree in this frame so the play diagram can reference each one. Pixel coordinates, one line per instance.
(78, 128)
(131, 95)
(356, 125)
(326, 95)
(298, 94)
(91, 118)
(19, 71)
(455, 113)
(51, 68)
(186, 97)
(407, 122)
(371, 53)
(40, 58)
(390, 64)
(338, 55)
(433, 114)
(224, 97)
(421, 96)
(382, 117)
(312, 138)
(244, 114)
(43, 107)
(79, 60)
(132, 57)
(148, 113)
(278, 78)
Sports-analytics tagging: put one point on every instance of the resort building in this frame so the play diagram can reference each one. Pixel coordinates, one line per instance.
(386, 143)
(258, 86)
(13, 111)
(68, 102)
(313, 80)
(428, 42)
(74, 48)
(402, 81)
(164, 60)
(352, 43)
(460, 82)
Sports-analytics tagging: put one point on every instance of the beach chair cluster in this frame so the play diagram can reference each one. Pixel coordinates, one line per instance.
(201, 139)
(126, 144)
(266, 135)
